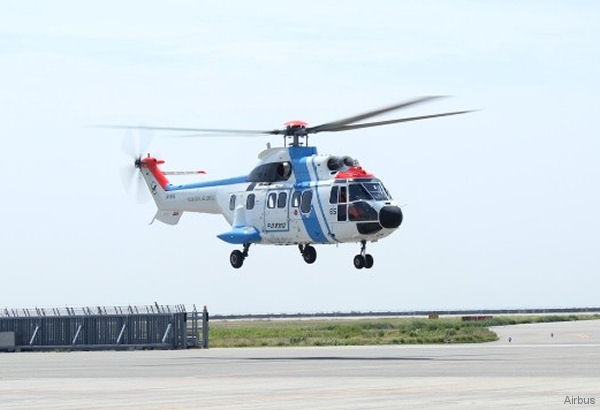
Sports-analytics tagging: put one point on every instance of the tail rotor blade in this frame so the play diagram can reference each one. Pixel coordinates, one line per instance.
(142, 195)
(127, 174)
(144, 139)
(134, 146)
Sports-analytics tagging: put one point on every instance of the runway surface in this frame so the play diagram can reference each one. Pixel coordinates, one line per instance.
(541, 366)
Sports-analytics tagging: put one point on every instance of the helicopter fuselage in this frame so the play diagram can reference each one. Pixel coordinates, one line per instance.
(294, 196)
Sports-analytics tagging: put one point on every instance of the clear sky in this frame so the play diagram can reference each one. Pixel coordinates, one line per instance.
(502, 206)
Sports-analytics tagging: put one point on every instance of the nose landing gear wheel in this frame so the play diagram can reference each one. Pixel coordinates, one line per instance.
(236, 258)
(368, 261)
(359, 262)
(363, 259)
(309, 253)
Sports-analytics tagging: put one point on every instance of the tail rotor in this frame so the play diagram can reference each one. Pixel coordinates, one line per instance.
(134, 147)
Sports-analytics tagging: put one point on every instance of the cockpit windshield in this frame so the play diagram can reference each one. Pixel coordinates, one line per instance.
(367, 191)
(377, 191)
(357, 191)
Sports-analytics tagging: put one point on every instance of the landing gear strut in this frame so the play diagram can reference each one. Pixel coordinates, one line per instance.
(309, 253)
(236, 258)
(363, 259)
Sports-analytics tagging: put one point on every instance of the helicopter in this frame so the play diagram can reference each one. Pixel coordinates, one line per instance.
(293, 196)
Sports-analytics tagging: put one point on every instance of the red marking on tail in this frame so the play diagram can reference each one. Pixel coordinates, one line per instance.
(152, 165)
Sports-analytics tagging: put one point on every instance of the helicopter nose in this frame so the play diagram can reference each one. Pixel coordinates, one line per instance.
(390, 216)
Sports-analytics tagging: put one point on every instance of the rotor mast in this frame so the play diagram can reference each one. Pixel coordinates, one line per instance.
(295, 130)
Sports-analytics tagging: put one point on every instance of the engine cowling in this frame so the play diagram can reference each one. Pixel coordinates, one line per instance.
(335, 163)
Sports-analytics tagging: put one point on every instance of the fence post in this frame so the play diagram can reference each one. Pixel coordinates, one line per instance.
(205, 328)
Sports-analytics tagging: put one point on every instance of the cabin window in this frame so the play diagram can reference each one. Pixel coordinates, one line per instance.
(357, 191)
(271, 200)
(232, 202)
(343, 196)
(333, 196)
(250, 201)
(282, 200)
(296, 199)
(361, 211)
(306, 201)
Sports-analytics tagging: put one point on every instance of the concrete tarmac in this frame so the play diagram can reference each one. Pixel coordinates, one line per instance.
(544, 366)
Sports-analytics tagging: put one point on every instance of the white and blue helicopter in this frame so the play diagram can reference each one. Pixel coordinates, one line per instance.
(294, 195)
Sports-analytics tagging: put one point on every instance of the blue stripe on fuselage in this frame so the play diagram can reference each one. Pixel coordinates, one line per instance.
(207, 184)
(321, 204)
(299, 157)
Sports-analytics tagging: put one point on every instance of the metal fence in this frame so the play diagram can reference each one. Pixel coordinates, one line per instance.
(101, 327)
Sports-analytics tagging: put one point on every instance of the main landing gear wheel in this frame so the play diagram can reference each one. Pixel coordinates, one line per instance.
(309, 253)
(237, 257)
(363, 259)
(359, 262)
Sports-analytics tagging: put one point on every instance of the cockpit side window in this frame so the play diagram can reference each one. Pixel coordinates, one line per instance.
(341, 212)
(357, 191)
(361, 211)
(232, 202)
(334, 195)
(343, 196)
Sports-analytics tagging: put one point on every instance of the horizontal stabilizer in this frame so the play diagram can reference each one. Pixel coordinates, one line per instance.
(168, 217)
(183, 172)
(240, 235)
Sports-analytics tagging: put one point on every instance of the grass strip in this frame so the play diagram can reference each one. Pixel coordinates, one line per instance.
(340, 332)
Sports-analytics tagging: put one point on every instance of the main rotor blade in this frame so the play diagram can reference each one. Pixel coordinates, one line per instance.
(329, 126)
(201, 130)
(406, 119)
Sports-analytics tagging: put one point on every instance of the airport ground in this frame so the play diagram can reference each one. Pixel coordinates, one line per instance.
(542, 366)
